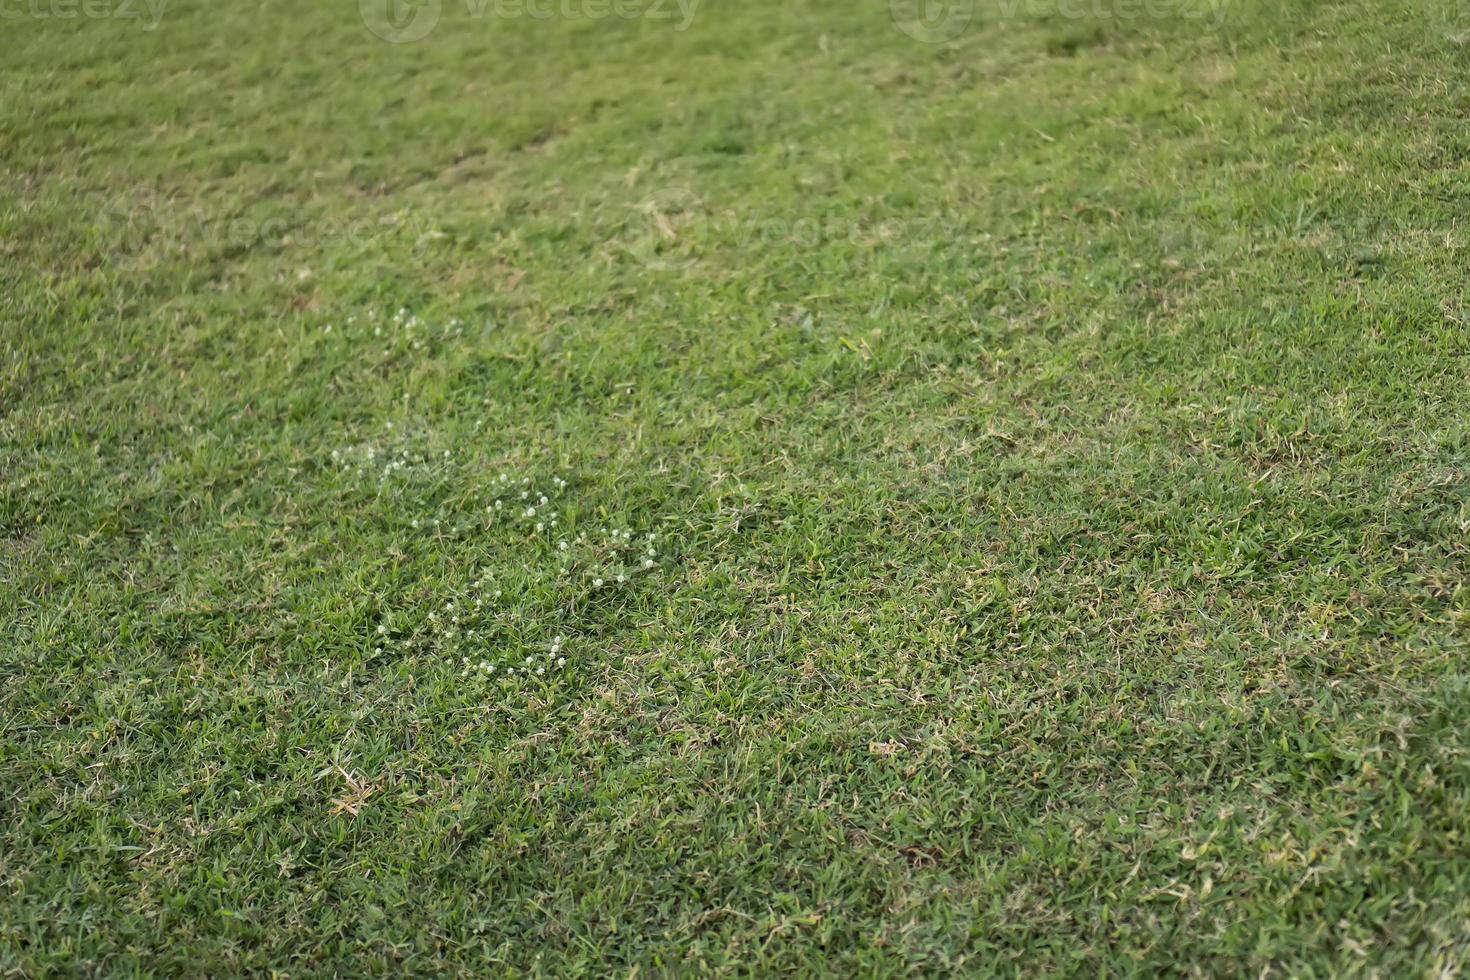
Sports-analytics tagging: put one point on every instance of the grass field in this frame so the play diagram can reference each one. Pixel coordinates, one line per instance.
(761, 487)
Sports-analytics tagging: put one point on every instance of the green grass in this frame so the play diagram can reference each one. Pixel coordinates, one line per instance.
(1056, 441)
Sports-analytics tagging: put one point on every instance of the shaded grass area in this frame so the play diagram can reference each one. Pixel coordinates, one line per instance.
(1054, 441)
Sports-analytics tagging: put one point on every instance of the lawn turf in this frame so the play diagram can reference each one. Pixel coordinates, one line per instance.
(1053, 430)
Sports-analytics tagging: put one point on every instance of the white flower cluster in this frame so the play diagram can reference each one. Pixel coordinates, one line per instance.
(528, 665)
(367, 459)
(490, 626)
(402, 327)
(613, 560)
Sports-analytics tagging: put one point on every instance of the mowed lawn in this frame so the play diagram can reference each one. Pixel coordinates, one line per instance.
(787, 489)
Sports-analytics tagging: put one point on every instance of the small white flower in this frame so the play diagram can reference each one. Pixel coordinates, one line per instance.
(597, 583)
(648, 563)
(561, 661)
